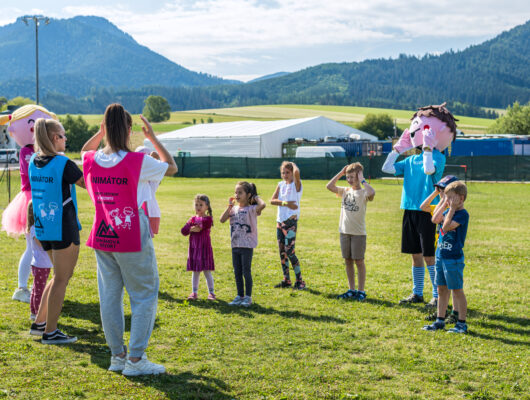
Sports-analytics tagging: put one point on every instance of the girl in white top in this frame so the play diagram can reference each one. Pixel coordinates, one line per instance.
(287, 197)
(136, 270)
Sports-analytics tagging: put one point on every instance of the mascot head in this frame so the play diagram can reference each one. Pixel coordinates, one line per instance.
(439, 120)
(22, 120)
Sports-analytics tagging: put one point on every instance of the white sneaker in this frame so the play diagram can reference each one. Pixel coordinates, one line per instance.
(21, 294)
(237, 301)
(142, 367)
(117, 363)
(247, 301)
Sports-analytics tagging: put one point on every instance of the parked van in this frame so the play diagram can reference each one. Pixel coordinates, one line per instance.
(320, 151)
(8, 156)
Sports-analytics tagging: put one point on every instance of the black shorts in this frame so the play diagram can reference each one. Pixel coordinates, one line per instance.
(72, 237)
(418, 233)
(70, 231)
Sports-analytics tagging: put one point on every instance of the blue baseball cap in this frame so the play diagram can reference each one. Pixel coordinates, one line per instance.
(446, 180)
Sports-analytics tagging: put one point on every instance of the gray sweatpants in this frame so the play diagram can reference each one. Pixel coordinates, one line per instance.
(138, 272)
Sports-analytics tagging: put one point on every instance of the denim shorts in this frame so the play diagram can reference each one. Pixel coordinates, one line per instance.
(450, 272)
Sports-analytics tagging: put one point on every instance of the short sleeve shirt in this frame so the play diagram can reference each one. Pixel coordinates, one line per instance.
(417, 185)
(353, 211)
(244, 226)
(452, 243)
(152, 171)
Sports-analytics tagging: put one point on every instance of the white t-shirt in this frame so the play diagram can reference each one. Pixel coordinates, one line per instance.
(353, 211)
(288, 193)
(39, 258)
(152, 171)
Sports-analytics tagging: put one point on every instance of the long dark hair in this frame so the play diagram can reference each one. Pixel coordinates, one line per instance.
(251, 189)
(206, 199)
(116, 127)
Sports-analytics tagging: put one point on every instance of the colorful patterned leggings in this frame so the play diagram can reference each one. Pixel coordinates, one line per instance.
(40, 277)
(286, 235)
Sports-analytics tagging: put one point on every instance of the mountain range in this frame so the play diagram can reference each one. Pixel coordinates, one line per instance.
(87, 62)
(81, 53)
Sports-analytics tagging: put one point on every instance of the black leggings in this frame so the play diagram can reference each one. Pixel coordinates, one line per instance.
(242, 261)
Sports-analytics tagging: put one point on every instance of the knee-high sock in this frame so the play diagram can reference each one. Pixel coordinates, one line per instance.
(24, 265)
(209, 280)
(418, 275)
(195, 281)
(432, 275)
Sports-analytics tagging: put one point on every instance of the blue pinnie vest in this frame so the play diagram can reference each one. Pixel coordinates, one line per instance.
(47, 197)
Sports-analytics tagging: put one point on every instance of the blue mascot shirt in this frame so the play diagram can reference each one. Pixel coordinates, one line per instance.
(417, 185)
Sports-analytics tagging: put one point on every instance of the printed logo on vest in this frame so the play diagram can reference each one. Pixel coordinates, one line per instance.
(38, 223)
(106, 231)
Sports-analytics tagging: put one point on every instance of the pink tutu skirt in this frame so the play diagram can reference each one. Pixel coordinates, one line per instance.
(14, 216)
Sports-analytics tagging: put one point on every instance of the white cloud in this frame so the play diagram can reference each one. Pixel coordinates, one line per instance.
(203, 34)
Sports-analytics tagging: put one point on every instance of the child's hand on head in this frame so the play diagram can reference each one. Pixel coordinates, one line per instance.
(343, 170)
(360, 176)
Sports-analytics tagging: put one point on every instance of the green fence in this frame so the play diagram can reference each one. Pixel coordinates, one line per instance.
(486, 168)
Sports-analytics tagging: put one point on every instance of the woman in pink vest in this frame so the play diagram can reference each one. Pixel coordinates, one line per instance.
(117, 181)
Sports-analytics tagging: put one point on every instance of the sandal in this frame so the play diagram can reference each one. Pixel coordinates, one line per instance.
(350, 294)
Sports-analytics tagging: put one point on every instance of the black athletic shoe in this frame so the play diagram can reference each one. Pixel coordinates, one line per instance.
(37, 329)
(283, 284)
(57, 337)
(299, 285)
(413, 298)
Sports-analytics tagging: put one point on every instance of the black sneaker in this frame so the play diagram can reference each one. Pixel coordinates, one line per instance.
(37, 329)
(284, 284)
(360, 296)
(299, 285)
(57, 337)
(413, 298)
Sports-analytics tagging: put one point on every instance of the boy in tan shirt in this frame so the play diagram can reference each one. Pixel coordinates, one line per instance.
(352, 225)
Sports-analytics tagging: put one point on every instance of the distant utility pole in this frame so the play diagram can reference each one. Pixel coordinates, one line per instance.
(37, 19)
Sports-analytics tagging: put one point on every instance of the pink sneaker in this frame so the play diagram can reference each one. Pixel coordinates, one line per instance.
(193, 296)
(211, 296)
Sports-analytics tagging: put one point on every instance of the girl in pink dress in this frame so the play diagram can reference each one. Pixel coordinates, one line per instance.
(200, 254)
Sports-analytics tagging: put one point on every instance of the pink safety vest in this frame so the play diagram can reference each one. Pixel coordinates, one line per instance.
(114, 192)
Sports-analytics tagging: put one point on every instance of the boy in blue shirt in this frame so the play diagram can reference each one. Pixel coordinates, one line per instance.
(450, 256)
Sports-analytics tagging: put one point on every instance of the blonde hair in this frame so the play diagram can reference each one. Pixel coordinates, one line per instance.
(30, 218)
(24, 112)
(287, 165)
(457, 187)
(45, 129)
(355, 168)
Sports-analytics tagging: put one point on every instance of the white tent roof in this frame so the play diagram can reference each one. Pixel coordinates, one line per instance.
(260, 139)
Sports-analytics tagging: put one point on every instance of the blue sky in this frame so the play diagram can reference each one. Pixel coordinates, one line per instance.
(244, 39)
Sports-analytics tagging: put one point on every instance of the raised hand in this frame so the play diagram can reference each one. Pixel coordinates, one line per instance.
(147, 128)
(404, 143)
(360, 176)
(429, 139)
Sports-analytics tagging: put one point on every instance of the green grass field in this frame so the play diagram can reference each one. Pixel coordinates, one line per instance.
(293, 345)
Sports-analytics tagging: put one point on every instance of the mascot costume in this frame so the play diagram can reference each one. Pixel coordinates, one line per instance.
(432, 130)
(14, 216)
